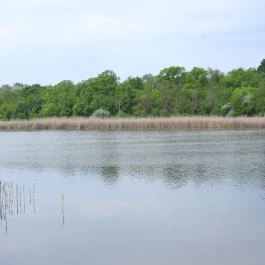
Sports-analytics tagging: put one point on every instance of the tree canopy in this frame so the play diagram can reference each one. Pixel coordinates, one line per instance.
(174, 91)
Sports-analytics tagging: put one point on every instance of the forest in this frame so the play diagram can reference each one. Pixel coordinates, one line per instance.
(173, 92)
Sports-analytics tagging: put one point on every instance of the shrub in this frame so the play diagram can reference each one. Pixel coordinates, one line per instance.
(227, 109)
(101, 113)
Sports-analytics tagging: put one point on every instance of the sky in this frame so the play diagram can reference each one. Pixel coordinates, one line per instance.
(47, 41)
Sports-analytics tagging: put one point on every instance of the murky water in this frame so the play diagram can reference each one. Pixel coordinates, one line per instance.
(132, 198)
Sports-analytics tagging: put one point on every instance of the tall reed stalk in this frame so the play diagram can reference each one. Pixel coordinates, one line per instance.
(14, 201)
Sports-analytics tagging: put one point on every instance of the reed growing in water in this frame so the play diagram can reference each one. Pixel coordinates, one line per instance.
(171, 123)
(15, 200)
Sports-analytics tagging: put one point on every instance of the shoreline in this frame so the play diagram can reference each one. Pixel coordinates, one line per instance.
(177, 123)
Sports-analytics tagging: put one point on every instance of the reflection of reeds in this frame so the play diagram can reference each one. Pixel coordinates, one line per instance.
(63, 220)
(171, 123)
(13, 201)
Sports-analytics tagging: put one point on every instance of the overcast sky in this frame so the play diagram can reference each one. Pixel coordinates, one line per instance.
(46, 41)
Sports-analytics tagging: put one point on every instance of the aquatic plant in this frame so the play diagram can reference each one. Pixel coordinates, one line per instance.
(15, 200)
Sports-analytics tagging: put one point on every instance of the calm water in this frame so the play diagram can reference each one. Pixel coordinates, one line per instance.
(132, 198)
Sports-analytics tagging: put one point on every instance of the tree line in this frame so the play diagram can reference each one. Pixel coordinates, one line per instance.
(174, 91)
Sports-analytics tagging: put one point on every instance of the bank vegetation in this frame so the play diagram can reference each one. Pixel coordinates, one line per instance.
(156, 123)
(174, 91)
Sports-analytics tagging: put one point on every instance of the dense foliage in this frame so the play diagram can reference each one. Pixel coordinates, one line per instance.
(174, 91)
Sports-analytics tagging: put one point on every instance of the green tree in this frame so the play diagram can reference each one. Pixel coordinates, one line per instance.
(174, 91)
(243, 101)
(104, 88)
(261, 67)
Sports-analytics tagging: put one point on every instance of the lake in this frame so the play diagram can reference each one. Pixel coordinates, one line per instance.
(132, 198)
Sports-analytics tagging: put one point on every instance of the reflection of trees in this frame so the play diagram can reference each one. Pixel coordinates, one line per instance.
(178, 175)
(173, 176)
(15, 200)
(110, 175)
(62, 207)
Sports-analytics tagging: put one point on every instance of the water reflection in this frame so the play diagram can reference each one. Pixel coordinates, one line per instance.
(141, 194)
(15, 200)
(177, 176)
(109, 175)
(174, 158)
(63, 218)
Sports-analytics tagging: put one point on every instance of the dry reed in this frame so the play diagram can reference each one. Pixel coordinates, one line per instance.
(171, 123)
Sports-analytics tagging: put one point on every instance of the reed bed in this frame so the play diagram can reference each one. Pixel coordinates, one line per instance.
(171, 123)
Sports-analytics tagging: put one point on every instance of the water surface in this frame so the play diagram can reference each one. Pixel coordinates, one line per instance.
(132, 198)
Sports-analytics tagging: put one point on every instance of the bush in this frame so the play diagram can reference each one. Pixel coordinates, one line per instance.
(227, 109)
(101, 113)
